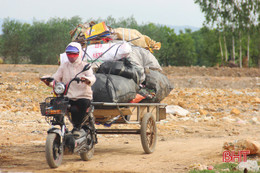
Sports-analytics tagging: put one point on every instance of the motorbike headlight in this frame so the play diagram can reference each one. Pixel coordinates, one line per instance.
(59, 88)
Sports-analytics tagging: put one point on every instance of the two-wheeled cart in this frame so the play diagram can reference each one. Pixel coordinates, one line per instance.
(147, 115)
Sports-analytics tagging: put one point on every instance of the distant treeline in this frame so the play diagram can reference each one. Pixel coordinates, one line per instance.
(42, 42)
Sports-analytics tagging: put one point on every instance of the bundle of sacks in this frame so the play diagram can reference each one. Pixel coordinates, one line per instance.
(124, 64)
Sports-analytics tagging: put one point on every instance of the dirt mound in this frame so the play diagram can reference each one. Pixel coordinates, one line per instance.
(213, 77)
(212, 71)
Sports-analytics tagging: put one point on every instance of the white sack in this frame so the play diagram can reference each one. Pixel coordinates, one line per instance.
(144, 58)
(115, 51)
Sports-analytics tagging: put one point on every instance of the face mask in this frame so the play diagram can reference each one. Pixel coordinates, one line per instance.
(72, 57)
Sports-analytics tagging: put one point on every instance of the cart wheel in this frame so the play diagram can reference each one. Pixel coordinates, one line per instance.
(148, 133)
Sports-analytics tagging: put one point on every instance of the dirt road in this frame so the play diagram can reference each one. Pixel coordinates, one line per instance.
(218, 113)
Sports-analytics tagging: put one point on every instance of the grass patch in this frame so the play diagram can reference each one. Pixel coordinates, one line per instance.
(225, 166)
(221, 168)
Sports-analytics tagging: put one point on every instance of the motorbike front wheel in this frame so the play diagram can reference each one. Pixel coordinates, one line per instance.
(53, 150)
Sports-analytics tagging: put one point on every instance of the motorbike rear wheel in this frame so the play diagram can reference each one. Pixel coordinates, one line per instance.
(53, 150)
(87, 155)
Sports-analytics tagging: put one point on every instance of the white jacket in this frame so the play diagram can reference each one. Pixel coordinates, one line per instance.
(68, 70)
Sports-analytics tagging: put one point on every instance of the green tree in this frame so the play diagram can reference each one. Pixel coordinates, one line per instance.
(13, 40)
(233, 16)
(185, 49)
(48, 40)
(167, 54)
(42, 42)
(207, 48)
(129, 22)
(255, 47)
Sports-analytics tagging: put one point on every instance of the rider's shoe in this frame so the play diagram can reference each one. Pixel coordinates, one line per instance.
(78, 133)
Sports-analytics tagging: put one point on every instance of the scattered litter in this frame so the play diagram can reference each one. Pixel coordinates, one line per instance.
(250, 165)
(177, 110)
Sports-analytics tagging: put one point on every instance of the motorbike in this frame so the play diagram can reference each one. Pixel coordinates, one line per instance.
(60, 141)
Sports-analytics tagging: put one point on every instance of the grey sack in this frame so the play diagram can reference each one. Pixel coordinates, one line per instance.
(159, 83)
(113, 88)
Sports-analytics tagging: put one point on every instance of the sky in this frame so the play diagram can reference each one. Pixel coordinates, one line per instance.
(165, 12)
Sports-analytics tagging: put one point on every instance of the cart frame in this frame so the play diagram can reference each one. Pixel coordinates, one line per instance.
(147, 115)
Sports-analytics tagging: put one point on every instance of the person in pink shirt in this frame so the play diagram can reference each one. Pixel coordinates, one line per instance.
(79, 94)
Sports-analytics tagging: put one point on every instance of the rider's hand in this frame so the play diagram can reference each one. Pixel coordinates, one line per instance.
(46, 79)
(85, 80)
(46, 82)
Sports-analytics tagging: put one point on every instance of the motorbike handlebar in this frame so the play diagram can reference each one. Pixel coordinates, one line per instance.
(48, 79)
(77, 79)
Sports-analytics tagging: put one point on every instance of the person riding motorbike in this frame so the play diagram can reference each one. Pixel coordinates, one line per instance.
(79, 94)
